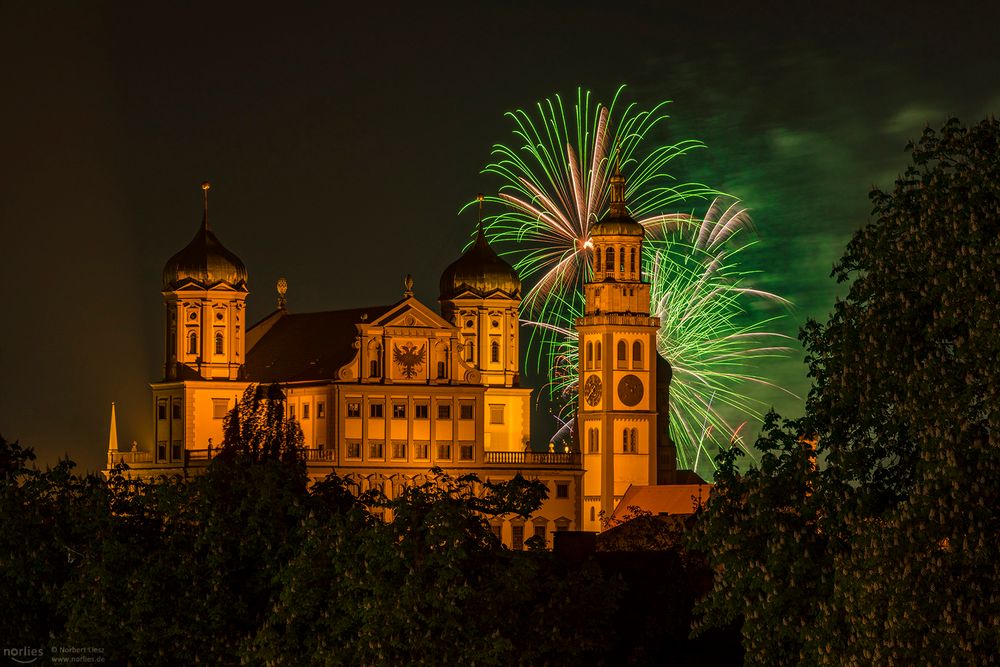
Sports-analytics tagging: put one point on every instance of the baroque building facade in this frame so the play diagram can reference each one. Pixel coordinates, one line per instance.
(386, 392)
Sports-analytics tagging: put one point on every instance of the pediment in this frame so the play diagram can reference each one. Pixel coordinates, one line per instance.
(411, 314)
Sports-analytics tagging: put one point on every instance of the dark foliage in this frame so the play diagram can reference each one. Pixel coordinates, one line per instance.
(886, 553)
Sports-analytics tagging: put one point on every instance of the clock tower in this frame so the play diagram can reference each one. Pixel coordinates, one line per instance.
(617, 416)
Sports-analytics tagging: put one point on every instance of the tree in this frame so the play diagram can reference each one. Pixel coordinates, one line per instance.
(895, 532)
(432, 585)
(256, 427)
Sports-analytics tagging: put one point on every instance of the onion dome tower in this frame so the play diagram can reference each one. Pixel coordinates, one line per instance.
(480, 295)
(204, 291)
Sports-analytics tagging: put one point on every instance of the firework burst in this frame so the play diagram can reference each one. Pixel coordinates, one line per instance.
(556, 185)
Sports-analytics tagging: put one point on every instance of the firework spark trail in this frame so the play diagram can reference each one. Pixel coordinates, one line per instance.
(556, 185)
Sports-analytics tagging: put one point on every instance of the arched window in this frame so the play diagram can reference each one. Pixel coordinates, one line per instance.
(590, 355)
(634, 444)
(637, 354)
(495, 352)
(193, 343)
(218, 342)
(593, 513)
(597, 259)
(597, 354)
(375, 364)
(632, 260)
(609, 259)
(621, 260)
(625, 441)
(593, 441)
(622, 354)
(470, 351)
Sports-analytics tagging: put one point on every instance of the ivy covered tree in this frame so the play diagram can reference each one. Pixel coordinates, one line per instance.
(886, 552)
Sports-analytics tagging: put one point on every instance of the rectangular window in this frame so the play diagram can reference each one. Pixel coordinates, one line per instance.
(161, 449)
(220, 406)
(517, 541)
(305, 411)
(496, 528)
(466, 451)
(320, 410)
(420, 411)
(444, 410)
(175, 450)
(376, 449)
(540, 533)
(176, 409)
(398, 450)
(399, 410)
(375, 410)
(496, 414)
(161, 410)
(562, 490)
(291, 411)
(421, 450)
(354, 409)
(444, 450)
(354, 449)
(466, 411)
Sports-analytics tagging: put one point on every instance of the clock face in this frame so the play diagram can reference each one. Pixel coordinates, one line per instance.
(592, 390)
(630, 390)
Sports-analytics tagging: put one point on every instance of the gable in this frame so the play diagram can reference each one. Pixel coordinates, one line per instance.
(410, 314)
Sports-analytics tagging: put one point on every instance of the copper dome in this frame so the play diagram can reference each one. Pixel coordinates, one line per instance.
(205, 262)
(482, 271)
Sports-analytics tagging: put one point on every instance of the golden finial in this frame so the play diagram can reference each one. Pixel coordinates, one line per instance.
(205, 185)
(408, 283)
(282, 288)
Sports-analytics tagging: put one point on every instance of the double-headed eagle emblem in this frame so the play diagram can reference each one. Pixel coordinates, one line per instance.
(409, 358)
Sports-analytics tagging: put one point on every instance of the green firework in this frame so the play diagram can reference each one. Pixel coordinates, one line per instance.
(555, 186)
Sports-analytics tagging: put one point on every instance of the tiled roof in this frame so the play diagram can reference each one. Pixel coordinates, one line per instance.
(675, 499)
(307, 346)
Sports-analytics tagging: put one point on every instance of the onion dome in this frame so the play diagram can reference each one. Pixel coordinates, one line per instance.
(205, 262)
(617, 222)
(480, 270)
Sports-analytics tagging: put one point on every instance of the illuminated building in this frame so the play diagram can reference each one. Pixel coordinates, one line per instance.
(386, 392)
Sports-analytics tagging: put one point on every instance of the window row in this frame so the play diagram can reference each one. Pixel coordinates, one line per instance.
(421, 450)
(320, 410)
(220, 343)
(175, 450)
(538, 530)
(609, 265)
(630, 441)
(376, 410)
(175, 409)
(592, 355)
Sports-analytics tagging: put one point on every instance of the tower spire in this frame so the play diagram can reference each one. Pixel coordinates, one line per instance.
(480, 234)
(204, 187)
(113, 435)
(618, 189)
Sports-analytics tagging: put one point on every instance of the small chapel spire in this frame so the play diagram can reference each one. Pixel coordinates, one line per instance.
(205, 185)
(113, 435)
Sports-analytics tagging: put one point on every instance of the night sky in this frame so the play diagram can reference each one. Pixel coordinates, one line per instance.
(341, 146)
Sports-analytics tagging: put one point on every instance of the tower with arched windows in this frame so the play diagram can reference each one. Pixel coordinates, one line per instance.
(204, 297)
(617, 415)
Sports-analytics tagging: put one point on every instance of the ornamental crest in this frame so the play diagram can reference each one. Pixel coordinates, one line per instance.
(409, 358)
